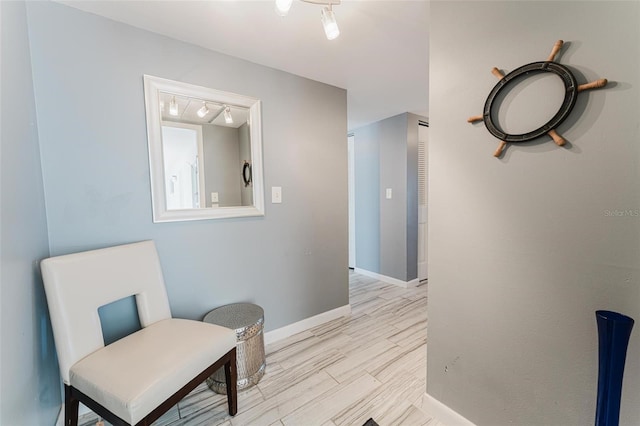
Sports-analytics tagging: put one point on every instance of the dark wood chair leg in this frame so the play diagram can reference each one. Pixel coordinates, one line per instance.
(231, 378)
(71, 406)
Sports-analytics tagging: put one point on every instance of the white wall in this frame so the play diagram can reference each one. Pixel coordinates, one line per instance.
(524, 249)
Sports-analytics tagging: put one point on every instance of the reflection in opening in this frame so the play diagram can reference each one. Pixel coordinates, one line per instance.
(225, 151)
(182, 151)
(205, 147)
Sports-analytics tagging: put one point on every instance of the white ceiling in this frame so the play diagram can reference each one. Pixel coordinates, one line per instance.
(381, 56)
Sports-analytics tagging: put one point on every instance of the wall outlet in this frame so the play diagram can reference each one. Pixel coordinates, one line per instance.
(276, 194)
(214, 197)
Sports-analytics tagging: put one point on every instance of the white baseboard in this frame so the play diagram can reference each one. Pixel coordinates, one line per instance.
(413, 283)
(388, 280)
(443, 413)
(314, 321)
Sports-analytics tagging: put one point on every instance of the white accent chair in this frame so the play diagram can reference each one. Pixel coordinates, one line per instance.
(138, 378)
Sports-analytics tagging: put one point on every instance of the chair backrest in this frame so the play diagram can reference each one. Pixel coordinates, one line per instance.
(78, 284)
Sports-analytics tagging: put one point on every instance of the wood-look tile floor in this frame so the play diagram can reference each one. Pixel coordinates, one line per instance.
(371, 364)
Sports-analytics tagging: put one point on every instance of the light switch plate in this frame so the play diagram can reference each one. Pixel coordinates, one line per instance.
(276, 194)
(389, 193)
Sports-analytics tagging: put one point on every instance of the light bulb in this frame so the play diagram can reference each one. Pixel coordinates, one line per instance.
(227, 116)
(329, 23)
(173, 107)
(283, 6)
(203, 111)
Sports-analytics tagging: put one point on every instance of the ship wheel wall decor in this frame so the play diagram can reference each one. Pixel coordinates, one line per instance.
(571, 94)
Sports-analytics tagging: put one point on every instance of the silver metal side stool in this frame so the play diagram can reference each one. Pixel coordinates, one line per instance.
(247, 320)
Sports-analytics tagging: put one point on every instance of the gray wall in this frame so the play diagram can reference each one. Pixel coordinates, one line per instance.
(221, 164)
(386, 155)
(367, 198)
(88, 87)
(96, 182)
(29, 381)
(524, 249)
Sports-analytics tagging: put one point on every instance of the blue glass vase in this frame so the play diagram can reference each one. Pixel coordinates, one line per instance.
(614, 330)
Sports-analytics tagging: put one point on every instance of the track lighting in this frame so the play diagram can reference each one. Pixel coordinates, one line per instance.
(283, 6)
(227, 116)
(173, 107)
(329, 23)
(327, 17)
(203, 111)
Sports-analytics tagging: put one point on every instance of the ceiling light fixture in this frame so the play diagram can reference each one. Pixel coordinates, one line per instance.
(283, 6)
(173, 107)
(203, 111)
(227, 116)
(327, 17)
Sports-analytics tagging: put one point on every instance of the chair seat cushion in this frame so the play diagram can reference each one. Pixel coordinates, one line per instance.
(134, 375)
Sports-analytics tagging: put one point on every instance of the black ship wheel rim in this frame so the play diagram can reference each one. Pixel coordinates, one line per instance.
(570, 97)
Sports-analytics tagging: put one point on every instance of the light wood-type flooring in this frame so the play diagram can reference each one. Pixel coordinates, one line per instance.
(371, 364)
